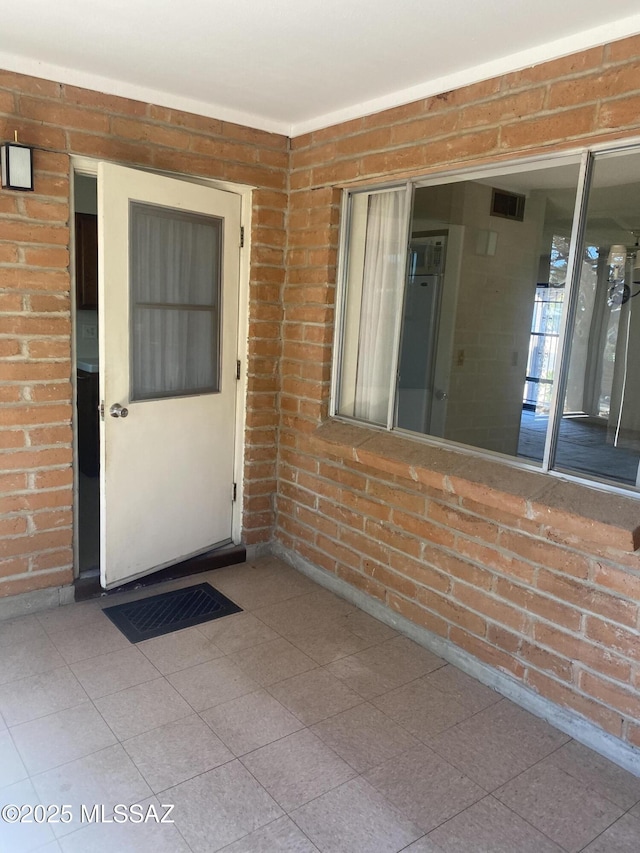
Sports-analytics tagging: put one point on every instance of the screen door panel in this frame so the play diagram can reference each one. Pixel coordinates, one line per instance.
(175, 275)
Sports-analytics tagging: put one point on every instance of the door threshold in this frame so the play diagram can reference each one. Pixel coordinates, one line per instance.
(88, 586)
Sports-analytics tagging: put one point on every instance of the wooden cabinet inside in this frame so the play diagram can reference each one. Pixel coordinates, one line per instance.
(88, 424)
(86, 261)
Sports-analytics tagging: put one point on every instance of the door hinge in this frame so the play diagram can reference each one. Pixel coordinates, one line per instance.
(238, 369)
(101, 410)
(242, 236)
(234, 492)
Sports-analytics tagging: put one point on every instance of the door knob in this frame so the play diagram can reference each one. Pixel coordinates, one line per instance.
(118, 411)
(441, 395)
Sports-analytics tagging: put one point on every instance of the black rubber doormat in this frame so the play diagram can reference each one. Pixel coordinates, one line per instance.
(170, 611)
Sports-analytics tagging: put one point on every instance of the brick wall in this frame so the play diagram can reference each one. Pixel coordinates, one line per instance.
(528, 587)
(36, 481)
(532, 588)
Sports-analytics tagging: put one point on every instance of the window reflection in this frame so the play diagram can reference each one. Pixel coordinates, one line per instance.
(481, 327)
(600, 430)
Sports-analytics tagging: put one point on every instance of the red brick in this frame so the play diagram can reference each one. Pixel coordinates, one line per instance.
(50, 349)
(621, 112)
(35, 134)
(343, 555)
(13, 566)
(468, 524)
(9, 205)
(52, 520)
(370, 509)
(394, 538)
(575, 63)
(24, 278)
(341, 514)
(362, 582)
(586, 598)
(502, 109)
(12, 527)
(416, 614)
(10, 394)
(34, 371)
(52, 560)
(30, 415)
(547, 661)
(10, 302)
(491, 608)
(12, 482)
(100, 101)
(425, 128)
(53, 185)
(53, 479)
(10, 439)
(313, 555)
(487, 653)
(454, 567)
(613, 637)
(315, 521)
(628, 48)
(16, 325)
(566, 696)
(31, 582)
(141, 131)
(420, 573)
(545, 554)
(34, 459)
(8, 254)
(54, 302)
(50, 392)
(481, 495)
(430, 534)
(47, 540)
(582, 652)
(50, 112)
(365, 545)
(396, 497)
(504, 639)
(9, 348)
(548, 128)
(390, 580)
(452, 612)
(617, 580)
(609, 83)
(345, 477)
(30, 501)
(634, 734)
(48, 211)
(553, 611)
(495, 560)
(624, 700)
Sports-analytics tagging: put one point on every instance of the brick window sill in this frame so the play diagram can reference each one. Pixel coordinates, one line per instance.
(572, 509)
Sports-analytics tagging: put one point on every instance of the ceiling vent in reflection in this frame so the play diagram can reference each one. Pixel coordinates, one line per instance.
(507, 205)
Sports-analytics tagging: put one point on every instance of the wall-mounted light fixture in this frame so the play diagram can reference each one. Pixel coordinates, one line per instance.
(17, 166)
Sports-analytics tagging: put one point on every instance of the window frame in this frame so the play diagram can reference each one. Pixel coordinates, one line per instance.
(584, 157)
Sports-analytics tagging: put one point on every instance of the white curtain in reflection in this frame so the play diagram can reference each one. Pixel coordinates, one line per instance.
(382, 289)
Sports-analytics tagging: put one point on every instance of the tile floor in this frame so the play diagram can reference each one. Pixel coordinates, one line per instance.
(301, 724)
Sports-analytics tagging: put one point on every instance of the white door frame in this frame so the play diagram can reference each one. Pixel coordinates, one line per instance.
(89, 166)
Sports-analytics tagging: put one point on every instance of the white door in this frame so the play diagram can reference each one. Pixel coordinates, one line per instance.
(168, 319)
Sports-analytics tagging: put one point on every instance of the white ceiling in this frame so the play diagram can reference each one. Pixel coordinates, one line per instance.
(291, 66)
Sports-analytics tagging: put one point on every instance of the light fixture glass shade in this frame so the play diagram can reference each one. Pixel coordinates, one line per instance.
(17, 166)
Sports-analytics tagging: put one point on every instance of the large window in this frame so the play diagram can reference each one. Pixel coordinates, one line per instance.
(496, 310)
